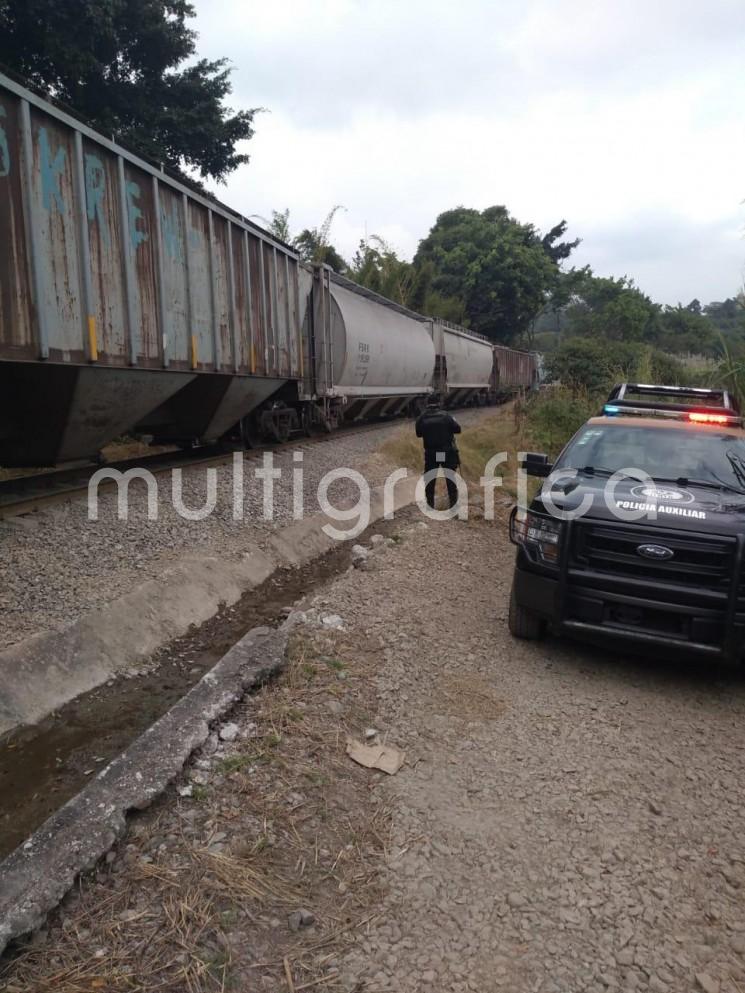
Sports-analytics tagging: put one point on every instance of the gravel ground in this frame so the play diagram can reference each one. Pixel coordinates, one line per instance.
(56, 564)
(566, 820)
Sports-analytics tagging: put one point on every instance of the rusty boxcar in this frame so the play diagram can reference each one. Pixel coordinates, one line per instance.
(130, 302)
(514, 370)
(119, 289)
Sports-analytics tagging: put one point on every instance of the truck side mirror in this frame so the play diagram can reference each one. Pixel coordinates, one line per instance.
(536, 464)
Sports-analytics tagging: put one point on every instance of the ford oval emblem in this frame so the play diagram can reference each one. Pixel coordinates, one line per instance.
(662, 493)
(658, 552)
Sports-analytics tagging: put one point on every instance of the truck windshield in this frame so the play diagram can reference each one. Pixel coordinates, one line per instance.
(715, 457)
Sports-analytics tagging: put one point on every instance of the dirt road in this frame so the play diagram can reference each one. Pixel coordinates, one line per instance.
(566, 820)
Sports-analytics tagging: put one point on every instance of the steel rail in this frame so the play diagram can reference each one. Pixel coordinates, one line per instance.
(26, 494)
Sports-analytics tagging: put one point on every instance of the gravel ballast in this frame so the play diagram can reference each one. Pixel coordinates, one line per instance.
(57, 564)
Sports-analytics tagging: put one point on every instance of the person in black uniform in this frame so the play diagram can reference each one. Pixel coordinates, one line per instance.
(437, 429)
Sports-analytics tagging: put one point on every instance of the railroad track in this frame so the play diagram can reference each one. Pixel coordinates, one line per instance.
(25, 494)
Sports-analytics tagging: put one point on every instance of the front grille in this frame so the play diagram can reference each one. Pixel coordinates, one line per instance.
(692, 599)
(698, 561)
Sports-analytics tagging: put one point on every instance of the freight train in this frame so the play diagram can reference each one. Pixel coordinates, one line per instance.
(131, 304)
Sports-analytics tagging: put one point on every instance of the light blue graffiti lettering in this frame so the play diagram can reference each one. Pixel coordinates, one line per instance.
(4, 150)
(134, 214)
(50, 169)
(169, 227)
(95, 188)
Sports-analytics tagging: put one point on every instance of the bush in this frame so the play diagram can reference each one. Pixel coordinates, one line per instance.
(596, 364)
(731, 371)
(591, 364)
(552, 415)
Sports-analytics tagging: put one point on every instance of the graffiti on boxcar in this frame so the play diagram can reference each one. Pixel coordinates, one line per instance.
(136, 235)
(171, 235)
(4, 149)
(50, 170)
(95, 190)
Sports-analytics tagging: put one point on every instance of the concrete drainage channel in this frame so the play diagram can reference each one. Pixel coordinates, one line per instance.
(44, 766)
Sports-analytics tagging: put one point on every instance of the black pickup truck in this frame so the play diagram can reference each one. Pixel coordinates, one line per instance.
(638, 531)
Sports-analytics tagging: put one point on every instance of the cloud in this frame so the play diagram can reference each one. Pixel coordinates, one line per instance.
(623, 119)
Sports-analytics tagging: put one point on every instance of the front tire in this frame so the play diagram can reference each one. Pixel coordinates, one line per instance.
(524, 623)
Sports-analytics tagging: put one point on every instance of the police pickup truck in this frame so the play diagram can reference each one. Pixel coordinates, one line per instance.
(638, 530)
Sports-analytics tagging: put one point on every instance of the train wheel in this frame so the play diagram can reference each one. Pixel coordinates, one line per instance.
(283, 432)
(249, 432)
(279, 428)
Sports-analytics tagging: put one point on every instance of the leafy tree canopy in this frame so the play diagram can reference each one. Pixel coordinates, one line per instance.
(500, 269)
(120, 64)
(377, 267)
(687, 329)
(612, 308)
(312, 248)
(312, 244)
(727, 316)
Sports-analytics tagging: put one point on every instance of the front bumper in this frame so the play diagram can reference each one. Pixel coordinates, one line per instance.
(600, 603)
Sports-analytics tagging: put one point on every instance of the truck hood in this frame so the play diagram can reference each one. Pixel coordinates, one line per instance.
(664, 505)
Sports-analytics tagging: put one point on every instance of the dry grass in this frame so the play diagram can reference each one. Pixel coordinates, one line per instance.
(300, 826)
(129, 448)
(117, 451)
(162, 932)
(22, 473)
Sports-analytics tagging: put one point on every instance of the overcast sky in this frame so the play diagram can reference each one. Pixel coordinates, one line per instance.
(626, 117)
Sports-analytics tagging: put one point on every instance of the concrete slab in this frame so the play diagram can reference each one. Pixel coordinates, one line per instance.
(35, 877)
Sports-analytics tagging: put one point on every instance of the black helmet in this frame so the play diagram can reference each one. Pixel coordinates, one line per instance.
(433, 400)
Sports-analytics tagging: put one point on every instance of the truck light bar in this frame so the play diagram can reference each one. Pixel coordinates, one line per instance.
(673, 397)
(701, 413)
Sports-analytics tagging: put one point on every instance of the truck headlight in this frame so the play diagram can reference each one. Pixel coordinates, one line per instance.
(537, 533)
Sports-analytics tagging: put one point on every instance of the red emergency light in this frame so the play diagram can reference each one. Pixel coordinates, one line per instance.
(699, 418)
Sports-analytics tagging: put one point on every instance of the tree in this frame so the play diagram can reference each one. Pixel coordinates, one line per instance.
(312, 249)
(313, 244)
(120, 65)
(612, 309)
(727, 316)
(567, 289)
(500, 270)
(377, 267)
(561, 251)
(279, 225)
(685, 329)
